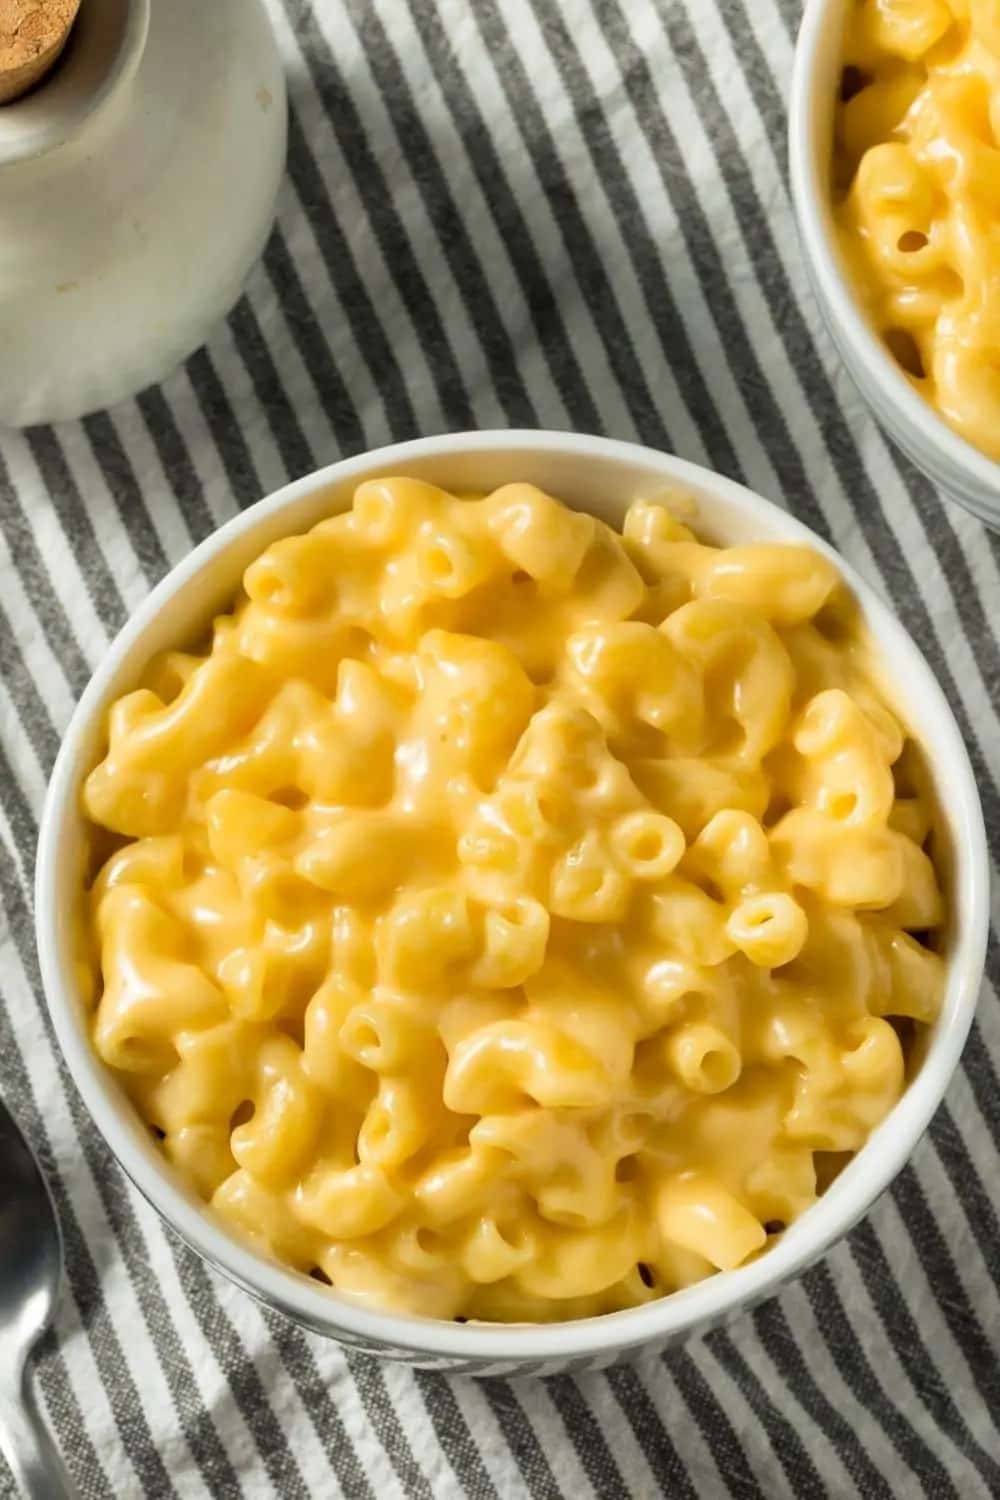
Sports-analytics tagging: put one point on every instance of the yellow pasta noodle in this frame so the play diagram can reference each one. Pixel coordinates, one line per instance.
(917, 183)
(503, 913)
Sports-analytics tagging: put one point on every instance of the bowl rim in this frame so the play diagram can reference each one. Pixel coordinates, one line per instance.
(820, 30)
(725, 1293)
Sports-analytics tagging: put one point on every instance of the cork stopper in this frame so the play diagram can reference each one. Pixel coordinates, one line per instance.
(32, 35)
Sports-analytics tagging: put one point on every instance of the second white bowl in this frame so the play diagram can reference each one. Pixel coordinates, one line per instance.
(960, 469)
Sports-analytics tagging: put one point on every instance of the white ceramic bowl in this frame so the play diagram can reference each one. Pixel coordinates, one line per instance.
(600, 476)
(959, 468)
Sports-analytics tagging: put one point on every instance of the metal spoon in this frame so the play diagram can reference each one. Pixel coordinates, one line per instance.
(30, 1272)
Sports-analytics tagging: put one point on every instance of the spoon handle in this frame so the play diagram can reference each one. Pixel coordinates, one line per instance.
(27, 1446)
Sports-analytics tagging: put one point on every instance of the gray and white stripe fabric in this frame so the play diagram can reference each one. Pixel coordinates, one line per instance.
(560, 213)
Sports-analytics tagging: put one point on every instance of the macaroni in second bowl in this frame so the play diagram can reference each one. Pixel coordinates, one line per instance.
(507, 919)
(918, 159)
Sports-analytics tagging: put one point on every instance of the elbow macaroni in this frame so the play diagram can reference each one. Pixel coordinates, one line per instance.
(917, 159)
(507, 914)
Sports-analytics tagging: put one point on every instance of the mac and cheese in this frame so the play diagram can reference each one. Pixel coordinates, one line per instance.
(917, 158)
(510, 919)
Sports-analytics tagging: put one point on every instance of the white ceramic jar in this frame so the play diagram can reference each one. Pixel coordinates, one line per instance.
(137, 188)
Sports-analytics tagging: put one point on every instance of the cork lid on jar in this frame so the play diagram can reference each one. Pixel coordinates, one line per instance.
(32, 35)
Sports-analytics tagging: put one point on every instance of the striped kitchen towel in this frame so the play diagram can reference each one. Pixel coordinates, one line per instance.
(562, 213)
